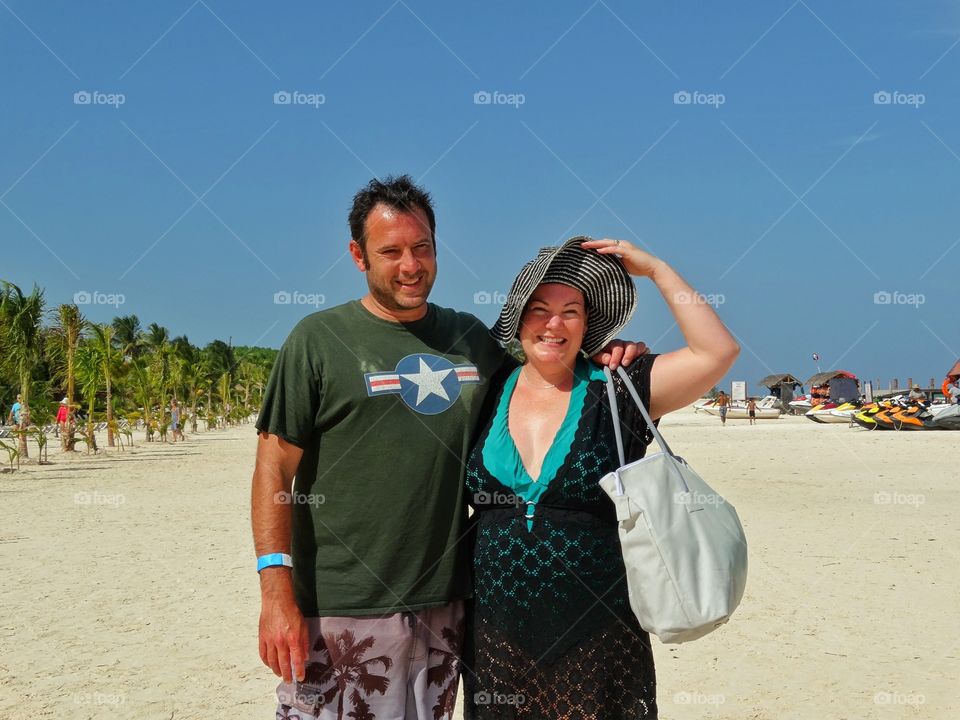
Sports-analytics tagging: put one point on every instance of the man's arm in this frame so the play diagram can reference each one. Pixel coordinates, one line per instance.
(283, 632)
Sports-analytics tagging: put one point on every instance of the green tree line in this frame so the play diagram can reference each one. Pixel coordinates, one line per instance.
(117, 371)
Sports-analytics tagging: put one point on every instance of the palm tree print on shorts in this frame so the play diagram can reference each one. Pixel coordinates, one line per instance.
(342, 667)
(446, 673)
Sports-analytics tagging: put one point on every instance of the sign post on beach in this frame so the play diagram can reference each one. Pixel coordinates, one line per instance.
(738, 390)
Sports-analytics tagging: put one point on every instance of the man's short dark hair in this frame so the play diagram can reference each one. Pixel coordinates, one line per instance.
(396, 192)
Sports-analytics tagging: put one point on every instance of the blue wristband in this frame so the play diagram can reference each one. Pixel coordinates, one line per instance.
(273, 560)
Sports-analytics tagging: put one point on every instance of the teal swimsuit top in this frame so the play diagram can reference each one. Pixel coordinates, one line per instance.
(500, 454)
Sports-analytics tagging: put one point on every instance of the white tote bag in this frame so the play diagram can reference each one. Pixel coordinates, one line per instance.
(683, 546)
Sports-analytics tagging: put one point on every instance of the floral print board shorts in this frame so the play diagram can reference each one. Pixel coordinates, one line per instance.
(404, 666)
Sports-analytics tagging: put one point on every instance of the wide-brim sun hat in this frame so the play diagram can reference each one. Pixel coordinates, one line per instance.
(608, 289)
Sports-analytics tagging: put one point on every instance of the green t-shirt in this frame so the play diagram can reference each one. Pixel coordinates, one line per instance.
(386, 414)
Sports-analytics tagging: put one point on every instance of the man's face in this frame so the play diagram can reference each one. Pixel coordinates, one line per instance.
(399, 259)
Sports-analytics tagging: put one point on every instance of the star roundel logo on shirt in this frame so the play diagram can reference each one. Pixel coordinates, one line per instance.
(428, 384)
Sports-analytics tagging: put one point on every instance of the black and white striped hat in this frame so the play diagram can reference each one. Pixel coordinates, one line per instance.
(607, 287)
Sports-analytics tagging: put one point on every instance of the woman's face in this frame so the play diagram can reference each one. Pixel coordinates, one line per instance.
(553, 324)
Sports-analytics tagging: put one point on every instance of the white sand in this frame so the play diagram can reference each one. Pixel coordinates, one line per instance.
(129, 589)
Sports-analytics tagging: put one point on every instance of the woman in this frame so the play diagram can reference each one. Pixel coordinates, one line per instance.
(551, 631)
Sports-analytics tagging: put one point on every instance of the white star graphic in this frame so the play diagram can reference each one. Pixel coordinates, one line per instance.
(428, 382)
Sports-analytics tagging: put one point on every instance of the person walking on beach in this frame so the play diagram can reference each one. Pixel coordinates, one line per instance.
(373, 406)
(15, 411)
(63, 418)
(175, 420)
(752, 410)
(723, 402)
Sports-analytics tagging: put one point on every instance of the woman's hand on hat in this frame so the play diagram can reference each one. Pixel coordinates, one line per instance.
(636, 261)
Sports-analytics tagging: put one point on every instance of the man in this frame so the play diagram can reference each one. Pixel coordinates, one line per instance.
(723, 402)
(373, 406)
(175, 419)
(15, 411)
(916, 394)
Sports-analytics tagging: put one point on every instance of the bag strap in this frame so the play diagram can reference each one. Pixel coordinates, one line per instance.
(611, 396)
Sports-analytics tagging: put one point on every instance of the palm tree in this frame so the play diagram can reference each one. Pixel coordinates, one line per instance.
(88, 378)
(109, 359)
(193, 372)
(22, 336)
(128, 336)
(361, 709)
(349, 669)
(221, 358)
(65, 338)
(144, 384)
(446, 671)
(223, 387)
(157, 341)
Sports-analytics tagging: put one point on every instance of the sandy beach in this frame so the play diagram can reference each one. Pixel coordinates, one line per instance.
(130, 592)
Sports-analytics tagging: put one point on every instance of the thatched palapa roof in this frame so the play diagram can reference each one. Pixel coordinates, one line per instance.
(825, 377)
(778, 379)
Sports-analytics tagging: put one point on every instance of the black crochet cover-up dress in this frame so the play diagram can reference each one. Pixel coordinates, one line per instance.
(550, 630)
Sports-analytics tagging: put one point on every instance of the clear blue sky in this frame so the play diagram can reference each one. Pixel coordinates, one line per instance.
(103, 197)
